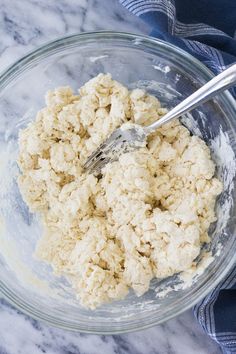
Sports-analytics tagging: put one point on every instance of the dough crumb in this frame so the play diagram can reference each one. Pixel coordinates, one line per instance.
(148, 215)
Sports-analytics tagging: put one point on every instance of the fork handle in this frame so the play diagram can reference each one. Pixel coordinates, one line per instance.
(219, 83)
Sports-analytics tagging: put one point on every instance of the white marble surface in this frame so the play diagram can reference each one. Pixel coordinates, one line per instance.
(25, 24)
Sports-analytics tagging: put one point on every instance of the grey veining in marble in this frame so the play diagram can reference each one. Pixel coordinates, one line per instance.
(20, 334)
(25, 24)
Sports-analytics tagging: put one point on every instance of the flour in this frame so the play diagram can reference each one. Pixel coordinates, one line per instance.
(149, 214)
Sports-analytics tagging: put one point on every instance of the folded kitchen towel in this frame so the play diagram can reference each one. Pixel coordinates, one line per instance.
(207, 30)
(204, 28)
(216, 313)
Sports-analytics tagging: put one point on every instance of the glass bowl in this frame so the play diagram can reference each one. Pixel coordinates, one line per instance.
(136, 61)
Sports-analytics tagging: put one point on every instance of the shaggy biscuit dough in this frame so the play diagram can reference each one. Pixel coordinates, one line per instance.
(146, 217)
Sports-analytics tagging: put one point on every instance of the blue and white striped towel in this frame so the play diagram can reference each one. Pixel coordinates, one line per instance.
(207, 30)
(204, 28)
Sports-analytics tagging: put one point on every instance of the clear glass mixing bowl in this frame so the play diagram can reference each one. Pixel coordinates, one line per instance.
(136, 61)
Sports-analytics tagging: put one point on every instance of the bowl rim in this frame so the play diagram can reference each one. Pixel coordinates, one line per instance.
(14, 70)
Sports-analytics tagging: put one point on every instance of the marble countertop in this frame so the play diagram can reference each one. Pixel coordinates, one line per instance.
(25, 24)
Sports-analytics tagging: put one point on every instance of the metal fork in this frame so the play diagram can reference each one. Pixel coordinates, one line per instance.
(131, 137)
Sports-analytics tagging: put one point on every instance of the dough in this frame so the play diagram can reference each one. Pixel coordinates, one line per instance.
(148, 215)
